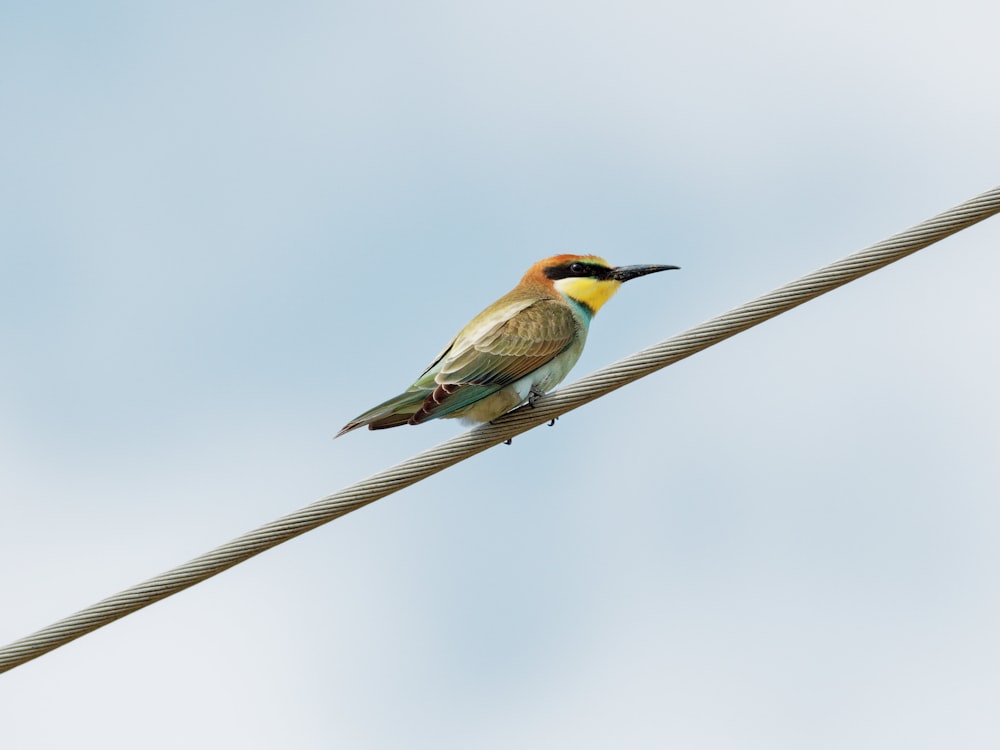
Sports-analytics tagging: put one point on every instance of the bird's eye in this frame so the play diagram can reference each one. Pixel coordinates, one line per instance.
(578, 269)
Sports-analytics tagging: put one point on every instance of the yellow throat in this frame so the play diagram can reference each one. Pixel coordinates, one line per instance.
(592, 293)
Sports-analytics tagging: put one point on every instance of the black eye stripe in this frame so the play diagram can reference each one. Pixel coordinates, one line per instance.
(577, 269)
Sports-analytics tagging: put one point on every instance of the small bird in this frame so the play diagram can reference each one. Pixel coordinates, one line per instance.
(515, 350)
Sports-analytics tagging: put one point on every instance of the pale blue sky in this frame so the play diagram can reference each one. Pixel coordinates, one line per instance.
(229, 228)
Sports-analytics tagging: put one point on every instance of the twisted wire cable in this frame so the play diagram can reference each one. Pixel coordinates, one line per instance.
(475, 441)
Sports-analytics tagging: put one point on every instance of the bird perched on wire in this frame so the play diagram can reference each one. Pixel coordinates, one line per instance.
(515, 350)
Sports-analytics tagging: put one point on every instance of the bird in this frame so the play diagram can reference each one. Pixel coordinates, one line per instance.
(515, 350)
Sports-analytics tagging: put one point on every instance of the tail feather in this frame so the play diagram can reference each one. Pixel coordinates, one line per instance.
(392, 413)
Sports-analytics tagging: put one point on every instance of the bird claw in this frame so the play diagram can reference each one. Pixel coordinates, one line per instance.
(533, 396)
(508, 441)
(553, 421)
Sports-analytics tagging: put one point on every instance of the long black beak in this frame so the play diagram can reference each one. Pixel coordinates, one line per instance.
(624, 273)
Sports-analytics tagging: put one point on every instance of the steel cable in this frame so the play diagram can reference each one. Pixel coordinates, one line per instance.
(468, 444)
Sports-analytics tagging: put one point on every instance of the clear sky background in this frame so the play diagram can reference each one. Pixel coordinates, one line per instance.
(227, 228)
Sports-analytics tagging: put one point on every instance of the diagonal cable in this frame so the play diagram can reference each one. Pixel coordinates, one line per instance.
(475, 441)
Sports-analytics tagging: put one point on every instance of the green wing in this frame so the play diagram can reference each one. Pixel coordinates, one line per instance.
(491, 353)
(501, 345)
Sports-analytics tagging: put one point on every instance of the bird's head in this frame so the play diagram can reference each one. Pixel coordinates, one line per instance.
(587, 280)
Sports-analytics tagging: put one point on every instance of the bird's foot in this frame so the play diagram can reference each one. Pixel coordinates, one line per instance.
(553, 421)
(533, 395)
(508, 441)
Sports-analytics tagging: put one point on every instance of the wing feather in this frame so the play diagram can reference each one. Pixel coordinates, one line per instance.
(491, 354)
(511, 349)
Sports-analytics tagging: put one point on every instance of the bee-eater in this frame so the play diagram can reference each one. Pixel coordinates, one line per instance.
(515, 350)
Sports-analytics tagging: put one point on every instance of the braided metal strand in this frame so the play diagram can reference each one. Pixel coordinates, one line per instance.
(477, 440)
